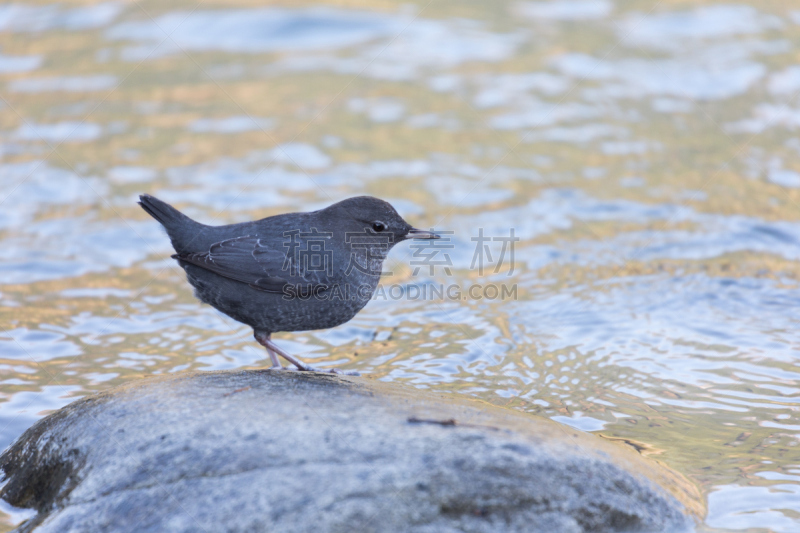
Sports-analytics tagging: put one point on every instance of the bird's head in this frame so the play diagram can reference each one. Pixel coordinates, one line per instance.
(374, 217)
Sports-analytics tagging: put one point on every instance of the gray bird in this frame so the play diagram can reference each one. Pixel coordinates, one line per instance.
(290, 272)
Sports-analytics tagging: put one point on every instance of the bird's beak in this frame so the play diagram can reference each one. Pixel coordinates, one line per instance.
(415, 233)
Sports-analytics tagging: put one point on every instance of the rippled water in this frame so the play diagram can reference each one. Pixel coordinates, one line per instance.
(645, 153)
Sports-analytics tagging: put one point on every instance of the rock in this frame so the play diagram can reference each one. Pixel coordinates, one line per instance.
(252, 451)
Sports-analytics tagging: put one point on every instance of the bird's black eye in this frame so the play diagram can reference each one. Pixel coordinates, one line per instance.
(378, 226)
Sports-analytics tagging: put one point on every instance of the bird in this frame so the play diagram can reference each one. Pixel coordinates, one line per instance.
(289, 272)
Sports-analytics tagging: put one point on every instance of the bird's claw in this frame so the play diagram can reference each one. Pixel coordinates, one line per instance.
(329, 371)
(343, 372)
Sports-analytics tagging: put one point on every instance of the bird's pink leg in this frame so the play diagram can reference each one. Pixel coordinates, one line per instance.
(276, 363)
(265, 340)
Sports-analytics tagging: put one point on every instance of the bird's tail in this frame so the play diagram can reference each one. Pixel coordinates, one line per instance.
(181, 229)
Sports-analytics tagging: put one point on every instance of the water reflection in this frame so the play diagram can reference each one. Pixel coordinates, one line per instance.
(10, 64)
(76, 84)
(25, 18)
(657, 267)
(738, 507)
(410, 43)
(566, 9)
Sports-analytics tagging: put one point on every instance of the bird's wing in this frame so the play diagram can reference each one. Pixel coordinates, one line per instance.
(261, 265)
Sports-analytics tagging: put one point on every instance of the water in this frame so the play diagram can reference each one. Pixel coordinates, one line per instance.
(646, 155)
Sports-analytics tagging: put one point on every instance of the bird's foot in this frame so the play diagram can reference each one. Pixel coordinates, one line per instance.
(344, 372)
(265, 340)
(308, 368)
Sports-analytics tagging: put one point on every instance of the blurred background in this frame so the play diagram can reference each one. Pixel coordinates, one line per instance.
(645, 152)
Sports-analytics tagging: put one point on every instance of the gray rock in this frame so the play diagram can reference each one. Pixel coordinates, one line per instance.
(253, 451)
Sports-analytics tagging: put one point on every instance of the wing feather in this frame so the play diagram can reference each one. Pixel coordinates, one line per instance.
(263, 266)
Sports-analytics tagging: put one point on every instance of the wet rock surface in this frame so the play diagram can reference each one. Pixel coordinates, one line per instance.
(251, 451)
